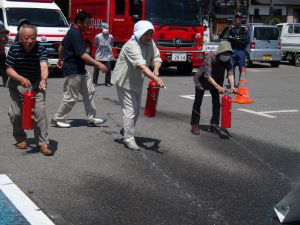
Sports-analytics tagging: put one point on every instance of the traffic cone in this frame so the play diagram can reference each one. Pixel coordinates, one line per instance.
(242, 96)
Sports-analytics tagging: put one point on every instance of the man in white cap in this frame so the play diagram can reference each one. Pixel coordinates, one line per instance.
(136, 56)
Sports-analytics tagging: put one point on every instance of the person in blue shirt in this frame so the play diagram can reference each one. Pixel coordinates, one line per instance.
(72, 58)
(239, 39)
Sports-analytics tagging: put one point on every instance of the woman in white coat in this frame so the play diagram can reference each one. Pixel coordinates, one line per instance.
(136, 56)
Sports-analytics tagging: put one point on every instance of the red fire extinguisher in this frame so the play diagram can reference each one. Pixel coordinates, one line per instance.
(152, 98)
(28, 109)
(226, 111)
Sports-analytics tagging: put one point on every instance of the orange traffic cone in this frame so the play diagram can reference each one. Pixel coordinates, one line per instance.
(242, 96)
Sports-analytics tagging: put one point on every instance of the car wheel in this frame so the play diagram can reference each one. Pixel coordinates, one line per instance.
(297, 60)
(292, 62)
(185, 68)
(275, 64)
(248, 61)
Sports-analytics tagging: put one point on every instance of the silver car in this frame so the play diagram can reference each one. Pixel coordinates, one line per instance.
(264, 45)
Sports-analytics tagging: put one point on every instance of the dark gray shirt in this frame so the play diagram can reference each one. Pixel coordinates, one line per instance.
(213, 67)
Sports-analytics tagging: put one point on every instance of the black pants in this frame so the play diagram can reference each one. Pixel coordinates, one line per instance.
(215, 99)
(2, 69)
(107, 76)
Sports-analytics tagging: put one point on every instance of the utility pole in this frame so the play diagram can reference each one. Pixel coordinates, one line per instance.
(238, 6)
(248, 11)
(271, 11)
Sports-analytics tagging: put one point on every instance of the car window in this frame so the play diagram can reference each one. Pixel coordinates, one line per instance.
(297, 29)
(266, 33)
(38, 17)
(1, 16)
(290, 29)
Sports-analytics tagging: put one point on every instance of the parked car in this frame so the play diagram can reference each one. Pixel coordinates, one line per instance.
(264, 45)
(290, 42)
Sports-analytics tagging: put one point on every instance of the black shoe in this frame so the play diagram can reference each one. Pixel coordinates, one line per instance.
(108, 84)
(214, 128)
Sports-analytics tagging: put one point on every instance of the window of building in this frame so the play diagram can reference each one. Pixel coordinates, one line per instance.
(120, 7)
(256, 12)
(277, 13)
(135, 7)
(296, 15)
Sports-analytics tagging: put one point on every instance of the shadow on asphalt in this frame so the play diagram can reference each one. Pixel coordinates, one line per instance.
(34, 149)
(221, 191)
(224, 133)
(149, 144)
(172, 72)
(82, 123)
(261, 65)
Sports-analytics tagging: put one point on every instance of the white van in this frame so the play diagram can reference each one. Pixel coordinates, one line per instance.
(290, 42)
(45, 14)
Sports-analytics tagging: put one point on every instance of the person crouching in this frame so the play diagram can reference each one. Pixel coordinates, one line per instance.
(211, 77)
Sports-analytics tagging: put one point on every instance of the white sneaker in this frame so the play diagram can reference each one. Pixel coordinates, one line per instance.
(61, 123)
(131, 144)
(96, 121)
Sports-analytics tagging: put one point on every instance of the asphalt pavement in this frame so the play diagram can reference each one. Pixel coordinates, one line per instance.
(176, 178)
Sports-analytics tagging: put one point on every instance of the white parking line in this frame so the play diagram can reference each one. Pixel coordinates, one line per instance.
(259, 70)
(192, 96)
(281, 111)
(256, 113)
(27, 208)
(266, 113)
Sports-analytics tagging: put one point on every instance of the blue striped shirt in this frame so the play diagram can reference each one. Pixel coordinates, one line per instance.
(27, 64)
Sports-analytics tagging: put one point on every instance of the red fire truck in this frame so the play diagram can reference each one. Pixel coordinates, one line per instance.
(178, 26)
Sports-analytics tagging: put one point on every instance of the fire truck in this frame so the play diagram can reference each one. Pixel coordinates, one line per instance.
(178, 26)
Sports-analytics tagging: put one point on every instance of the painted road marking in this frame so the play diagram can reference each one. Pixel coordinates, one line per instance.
(259, 70)
(192, 96)
(266, 113)
(281, 111)
(18, 200)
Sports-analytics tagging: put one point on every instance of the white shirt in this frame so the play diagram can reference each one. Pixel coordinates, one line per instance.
(133, 54)
(104, 45)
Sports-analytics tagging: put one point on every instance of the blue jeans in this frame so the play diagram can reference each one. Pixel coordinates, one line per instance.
(238, 58)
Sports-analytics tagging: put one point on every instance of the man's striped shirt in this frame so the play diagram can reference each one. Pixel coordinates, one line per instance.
(27, 64)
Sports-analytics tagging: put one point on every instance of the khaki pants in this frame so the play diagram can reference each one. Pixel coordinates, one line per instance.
(130, 103)
(15, 114)
(73, 86)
